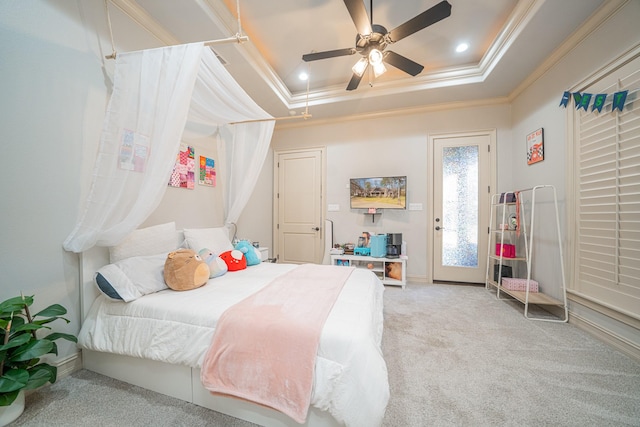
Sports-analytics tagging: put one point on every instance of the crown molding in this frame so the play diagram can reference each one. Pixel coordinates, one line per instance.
(138, 15)
(524, 11)
(457, 105)
(521, 15)
(598, 18)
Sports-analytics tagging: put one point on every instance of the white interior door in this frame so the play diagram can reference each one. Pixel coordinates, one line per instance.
(298, 201)
(461, 180)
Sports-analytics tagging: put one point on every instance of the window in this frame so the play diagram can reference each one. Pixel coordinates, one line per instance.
(606, 188)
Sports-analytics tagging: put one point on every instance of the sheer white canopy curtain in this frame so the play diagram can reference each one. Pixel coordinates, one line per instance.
(156, 94)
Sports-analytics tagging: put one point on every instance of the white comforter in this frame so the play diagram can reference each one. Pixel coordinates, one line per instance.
(177, 327)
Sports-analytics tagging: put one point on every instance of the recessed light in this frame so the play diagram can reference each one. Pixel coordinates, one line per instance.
(303, 76)
(462, 47)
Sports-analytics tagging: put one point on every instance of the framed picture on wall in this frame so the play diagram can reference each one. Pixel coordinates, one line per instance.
(535, 146)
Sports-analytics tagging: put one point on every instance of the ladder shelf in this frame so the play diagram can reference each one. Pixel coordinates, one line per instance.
(514, 234)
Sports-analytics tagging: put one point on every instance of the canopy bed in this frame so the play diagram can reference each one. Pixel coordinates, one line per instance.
(159, 338)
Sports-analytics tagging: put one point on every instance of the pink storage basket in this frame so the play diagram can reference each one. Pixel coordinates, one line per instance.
(508, 251)
(514, 284)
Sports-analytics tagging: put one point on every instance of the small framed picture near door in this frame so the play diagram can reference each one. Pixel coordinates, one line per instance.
(535, 146)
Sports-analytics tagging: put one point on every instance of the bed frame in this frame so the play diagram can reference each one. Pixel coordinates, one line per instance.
(178, 381)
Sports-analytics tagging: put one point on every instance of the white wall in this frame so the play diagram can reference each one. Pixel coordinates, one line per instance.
(199, 207)
(55, 85)
(395, 145)
(538, 106)
(255, 222)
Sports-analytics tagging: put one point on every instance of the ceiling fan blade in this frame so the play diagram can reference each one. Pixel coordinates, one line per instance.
(328, 54)
(355, 80)
(359, 16)
(402, 63)
(428, 17)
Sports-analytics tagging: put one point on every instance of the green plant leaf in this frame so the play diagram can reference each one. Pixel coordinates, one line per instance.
(14, 379)
(54, 348)
(17, 322)
(7, 399)
(52, 310)
(15, 304)
(48, 320)
(23, 350)
(56, 335)
(26, 327)
(40, 375)
(31, 350)
(16, 341)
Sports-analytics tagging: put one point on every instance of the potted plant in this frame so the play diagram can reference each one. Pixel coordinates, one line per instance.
(22, 345)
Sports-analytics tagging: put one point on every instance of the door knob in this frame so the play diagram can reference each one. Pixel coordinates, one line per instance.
(438, 228)
(315, 228)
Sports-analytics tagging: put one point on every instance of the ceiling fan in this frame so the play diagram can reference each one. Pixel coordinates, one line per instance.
(372, 39)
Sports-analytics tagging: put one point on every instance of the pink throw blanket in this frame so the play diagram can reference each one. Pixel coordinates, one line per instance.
(264, 347)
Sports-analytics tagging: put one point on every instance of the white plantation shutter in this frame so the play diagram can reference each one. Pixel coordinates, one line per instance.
(607, 166)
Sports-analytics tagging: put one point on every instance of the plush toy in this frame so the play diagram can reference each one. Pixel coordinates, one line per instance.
(251, 253)
(217, 266)
(185, 270)
(394, 270)
(234, 259)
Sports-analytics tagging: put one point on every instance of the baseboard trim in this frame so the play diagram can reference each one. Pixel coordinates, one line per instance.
(68, 365)
(606, 336)
(417, 279)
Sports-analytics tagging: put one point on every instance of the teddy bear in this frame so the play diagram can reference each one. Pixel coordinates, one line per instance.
(185, 270)
(217, 266)
(251, 253)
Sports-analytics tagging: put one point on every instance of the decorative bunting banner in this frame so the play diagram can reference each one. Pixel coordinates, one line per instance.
(583, 100)
(619, 98)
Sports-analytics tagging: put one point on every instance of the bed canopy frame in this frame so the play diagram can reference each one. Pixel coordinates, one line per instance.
(161, 96)
(238, 38)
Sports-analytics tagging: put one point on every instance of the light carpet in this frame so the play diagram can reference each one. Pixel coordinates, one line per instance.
(456, 356)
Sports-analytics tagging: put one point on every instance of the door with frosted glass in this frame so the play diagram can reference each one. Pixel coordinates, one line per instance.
(461, 207)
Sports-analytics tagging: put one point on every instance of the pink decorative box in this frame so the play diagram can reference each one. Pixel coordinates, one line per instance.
(508, 251)
(519, 284)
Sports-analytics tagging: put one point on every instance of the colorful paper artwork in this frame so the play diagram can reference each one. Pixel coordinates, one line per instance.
(183, 175)
(535, 147)
(207, 171)
(133, 151)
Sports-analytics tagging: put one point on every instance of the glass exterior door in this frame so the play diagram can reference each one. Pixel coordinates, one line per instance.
(461, 182)
(460, 206)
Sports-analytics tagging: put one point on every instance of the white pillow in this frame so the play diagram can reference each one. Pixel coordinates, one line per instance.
(215, 239)
(132, 277)
(153, 240)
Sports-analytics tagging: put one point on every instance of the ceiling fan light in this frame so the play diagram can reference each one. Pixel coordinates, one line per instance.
(379, 69)
(375, 57)
(462, 47)
(360, 66)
